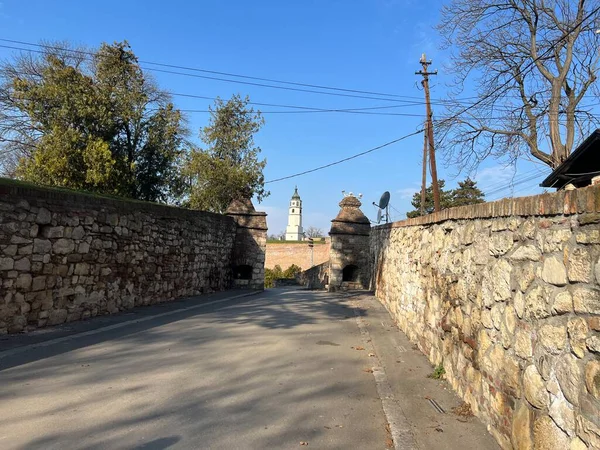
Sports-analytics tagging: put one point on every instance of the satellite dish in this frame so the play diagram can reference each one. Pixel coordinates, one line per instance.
(379, 216)
(384, 200)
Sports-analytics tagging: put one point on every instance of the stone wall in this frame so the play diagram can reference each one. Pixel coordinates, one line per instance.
(249, 247)
(66, 256)
(314, 278)
(349, 260)
(286, 254)
(506, 296)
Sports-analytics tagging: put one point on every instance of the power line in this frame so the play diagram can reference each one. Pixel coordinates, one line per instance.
(345, 159)
(381, 96)
(215, 72)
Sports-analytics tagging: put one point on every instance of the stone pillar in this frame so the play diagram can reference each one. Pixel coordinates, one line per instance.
(248, 259)
(349, 254)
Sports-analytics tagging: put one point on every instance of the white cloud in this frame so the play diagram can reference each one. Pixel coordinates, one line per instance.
(494, 177)
(408, 192)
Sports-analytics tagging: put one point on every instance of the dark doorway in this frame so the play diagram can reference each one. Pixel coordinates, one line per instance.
(350, 273)
(243, 272)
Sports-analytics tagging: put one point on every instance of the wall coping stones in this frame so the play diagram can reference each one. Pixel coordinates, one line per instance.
(578, 201)
(11, 189)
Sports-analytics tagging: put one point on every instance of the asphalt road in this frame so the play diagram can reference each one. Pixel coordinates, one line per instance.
(281, 369)
(273, 370)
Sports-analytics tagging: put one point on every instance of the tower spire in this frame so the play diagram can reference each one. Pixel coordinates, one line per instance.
(294, 230)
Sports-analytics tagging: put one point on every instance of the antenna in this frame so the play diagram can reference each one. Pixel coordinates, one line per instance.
(383, 205)
(384, 200)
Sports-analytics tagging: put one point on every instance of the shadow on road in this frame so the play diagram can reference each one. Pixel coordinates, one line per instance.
(240, 378)
(274, 308)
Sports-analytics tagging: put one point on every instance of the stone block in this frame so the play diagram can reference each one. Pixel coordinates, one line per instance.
(63, 246)
(562, 414)
(22, 265)
(592, 377)
(39, 283)
(24, 281)
(586, 300)
(57, 316)
(547, 436)
(526, 253)
(10, 250)
(523, 344)
(521, 436)
(554, 271)
(577, 444)
(501, 275)
(41, 246)
(577, 329)
(53, 232)
(568, 374)
(500, 243)
(7, 263)
(588, 236)
(588, 432)
(563, 303)
(593, 343)
(579, 264)
(43, 216)
(553, 338)
(78, 233)
(524, 276)
(536, 304)
(25, 250)
(535, 388)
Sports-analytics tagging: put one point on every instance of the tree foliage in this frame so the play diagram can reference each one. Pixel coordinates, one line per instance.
(91, 121)
(532, 62)
(292, 271)
(445, 200)
(467, 193)
(229, 167)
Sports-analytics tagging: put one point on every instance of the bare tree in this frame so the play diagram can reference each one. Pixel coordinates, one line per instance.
(313, 232)
(532, 63)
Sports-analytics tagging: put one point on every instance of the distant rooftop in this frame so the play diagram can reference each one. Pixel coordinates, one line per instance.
(580, 167)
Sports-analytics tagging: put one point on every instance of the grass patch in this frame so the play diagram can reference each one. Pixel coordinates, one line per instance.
(438, 373)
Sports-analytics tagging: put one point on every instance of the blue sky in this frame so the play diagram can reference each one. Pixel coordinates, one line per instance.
(371, 45)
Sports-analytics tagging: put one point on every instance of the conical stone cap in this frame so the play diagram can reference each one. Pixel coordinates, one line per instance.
(350, 219)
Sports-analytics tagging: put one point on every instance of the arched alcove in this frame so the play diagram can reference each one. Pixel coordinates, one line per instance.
(242, 272)
(350, 273)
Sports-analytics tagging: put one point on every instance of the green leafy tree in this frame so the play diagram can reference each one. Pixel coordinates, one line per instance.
(446, 197)
(467, 193)
(292, 271)
(272, 274)
(90, 121)
(229, 167)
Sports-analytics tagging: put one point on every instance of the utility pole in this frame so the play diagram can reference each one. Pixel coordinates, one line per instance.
(424, 177)
(429, 130)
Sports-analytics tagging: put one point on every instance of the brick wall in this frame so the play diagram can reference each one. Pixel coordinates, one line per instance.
(285, 255)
